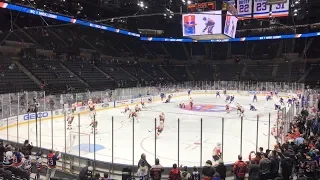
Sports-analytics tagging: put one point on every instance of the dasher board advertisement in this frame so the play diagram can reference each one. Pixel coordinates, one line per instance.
(206, 23)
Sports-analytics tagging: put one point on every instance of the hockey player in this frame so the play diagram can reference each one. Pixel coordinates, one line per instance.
(143, 105)
(231, 99)
(216, 153)
(228, 108)
(162, 96)
(137, 108)
(17, 158)
(133, 114)
(281, 101)
(94, 126)
(191, 102)
(297, 104)
(227, 98)
(189, 92)
(254, 98)
(276, 93)
(149, 100)
(182, 105)
(92, 109)
(271, 93)
(224, 91)
(126, 109)
(242, 112)
(252, 108)
(162, 117)
(160, 128)
(277, 107)
(70, 120)
(38, 164)
(26, 164)
(8, 157)
(74, 107)
(217, 94)
(289, 102)
(268, 97)
(239, 108)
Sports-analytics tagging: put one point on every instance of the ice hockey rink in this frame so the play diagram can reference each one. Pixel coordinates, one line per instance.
(131, 140)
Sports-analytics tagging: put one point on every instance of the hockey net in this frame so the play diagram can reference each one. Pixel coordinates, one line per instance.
(78, 141)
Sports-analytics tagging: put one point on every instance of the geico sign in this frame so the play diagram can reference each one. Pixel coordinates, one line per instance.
(33, 116)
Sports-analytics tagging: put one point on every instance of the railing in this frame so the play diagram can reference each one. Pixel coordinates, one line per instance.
(188, 137)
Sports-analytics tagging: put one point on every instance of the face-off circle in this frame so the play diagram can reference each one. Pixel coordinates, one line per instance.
(208, 108)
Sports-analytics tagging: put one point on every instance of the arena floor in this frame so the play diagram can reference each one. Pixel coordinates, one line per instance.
(207, 107)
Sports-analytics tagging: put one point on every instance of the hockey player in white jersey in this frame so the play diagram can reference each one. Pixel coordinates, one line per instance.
(26, 164)
(8, 157)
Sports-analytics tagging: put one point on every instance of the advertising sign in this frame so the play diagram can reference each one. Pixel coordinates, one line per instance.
(202, 24)
(32, 116)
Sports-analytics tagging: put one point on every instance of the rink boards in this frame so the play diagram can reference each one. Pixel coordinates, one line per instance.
(59, 113)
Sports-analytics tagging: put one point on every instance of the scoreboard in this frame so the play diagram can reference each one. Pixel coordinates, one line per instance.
(202, 7)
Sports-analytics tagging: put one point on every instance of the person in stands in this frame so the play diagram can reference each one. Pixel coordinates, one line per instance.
(52, 159)
(240, 169)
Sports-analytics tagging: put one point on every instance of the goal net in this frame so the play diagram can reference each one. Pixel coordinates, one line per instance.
(78, 141)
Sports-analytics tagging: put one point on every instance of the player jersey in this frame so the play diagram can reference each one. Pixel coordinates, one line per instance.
(39, 162)
(8, 158)
(17, 159)
(91, 107)
(216, 151)
(162, 117)
(26, 164)
(52, 160)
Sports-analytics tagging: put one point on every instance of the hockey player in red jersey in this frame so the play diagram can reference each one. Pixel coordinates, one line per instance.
(216, 153)
(137, 108)
(162, 117)
(92, 109)
(126, 109)
(160, 128)
(191, 102)
(74, 108)
(94, 126)
(182, 105)
(70, 120)
(228, 108)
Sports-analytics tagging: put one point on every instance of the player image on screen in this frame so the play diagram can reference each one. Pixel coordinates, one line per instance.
(189, 23)
(209, 25)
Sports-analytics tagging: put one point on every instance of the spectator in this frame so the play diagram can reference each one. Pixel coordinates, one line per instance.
(239, 169)
(310, 166)
(286, 166)
(105, 176)
(195, 175)
(52, 159)
(257, 157)
(143, 159)
(253, 171)
(222, 170)
(208, 171)
(216, 176)
(142, 170)
(86, 172)
(174, 173)
(2, 151)
(96, 176)
(274, 164)
(156, 171)
(299, 140)
(26, 148)
(261, 149)
(184, 174)
(264, 167)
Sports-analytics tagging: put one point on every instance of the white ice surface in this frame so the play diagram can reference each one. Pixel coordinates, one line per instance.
(167, 143)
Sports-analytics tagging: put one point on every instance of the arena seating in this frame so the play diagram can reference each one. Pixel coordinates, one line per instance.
(52, 75)
(227, 72)
(88, 72)
(155, 72)
(12, 79)
(312, 78)
(202, 72)
(283, 72)
(297, 71)
(177, 72)
(259, 72)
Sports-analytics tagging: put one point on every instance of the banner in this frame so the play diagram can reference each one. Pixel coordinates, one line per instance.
(261, 9)
(280, 10)
(244, 9)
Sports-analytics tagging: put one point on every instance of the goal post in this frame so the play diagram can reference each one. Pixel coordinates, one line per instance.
(78, 142)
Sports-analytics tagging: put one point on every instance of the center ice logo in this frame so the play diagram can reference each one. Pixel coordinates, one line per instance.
(208, 108)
